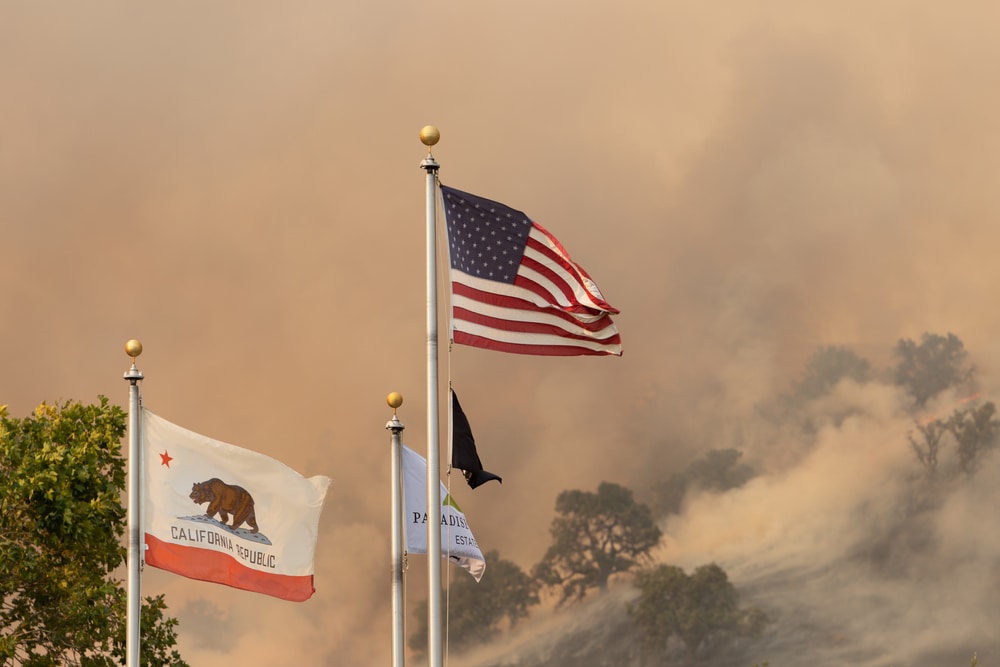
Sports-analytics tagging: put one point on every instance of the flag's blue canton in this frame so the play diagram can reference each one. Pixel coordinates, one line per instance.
(486, 238)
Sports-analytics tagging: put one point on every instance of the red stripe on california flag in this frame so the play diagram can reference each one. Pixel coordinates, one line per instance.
(220, 568)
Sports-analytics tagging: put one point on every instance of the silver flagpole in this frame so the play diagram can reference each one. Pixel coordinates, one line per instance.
(429, 136)
(396, 498)
(134, 595)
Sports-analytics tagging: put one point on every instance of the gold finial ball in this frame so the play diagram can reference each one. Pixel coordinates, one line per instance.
(395, 399)
(133, 348)
(429, 135)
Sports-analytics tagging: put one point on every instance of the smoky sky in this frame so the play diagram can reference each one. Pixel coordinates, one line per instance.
(237, 186)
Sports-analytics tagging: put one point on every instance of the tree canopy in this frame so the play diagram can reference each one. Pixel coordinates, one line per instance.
(477, 610)
(696, 608)
(928, 368)
(718, 470)
(61, 528)
(595, 535)
(828, 366)
(974, 431)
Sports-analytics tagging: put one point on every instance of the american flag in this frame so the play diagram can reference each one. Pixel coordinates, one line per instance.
(515, 288)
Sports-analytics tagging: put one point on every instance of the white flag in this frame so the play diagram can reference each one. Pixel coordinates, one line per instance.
(220, 513)
(457, 543)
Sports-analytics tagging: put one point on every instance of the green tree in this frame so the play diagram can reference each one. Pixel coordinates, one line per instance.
(928, 368)
(976, 431)
(595, 536)
(476, 611)
(61, 529)
(827, 367)
(927, 446)
(718, 470)
(697, 609)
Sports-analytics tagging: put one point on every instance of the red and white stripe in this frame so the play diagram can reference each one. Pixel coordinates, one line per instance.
(220, 568)
(553, 308)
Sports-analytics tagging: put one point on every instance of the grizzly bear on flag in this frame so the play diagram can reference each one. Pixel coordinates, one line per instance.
(225, 499)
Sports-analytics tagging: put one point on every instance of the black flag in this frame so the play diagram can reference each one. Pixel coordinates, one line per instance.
(463, 448)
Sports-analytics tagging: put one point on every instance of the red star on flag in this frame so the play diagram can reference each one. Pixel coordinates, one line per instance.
(165, 458)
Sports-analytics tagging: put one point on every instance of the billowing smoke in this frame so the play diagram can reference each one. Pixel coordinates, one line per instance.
(237, 186)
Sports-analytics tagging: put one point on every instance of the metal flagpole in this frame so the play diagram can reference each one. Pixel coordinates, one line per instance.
(395, 400)
(134, 596)
(429, 136)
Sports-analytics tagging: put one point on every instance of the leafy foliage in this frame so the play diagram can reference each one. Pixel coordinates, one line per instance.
(974, 432)
(595, 535)
(696, 608)
(61, 524)
(927, 446)
(827, 367)
(719, 470)
(477, 610)
(928, 368)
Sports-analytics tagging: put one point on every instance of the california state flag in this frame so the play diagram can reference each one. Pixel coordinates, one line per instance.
(220, 513)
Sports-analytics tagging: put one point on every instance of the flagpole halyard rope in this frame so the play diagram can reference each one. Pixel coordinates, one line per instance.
(448, 466)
